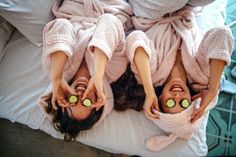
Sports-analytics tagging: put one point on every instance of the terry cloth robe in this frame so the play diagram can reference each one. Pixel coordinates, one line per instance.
(161, 40)
(80, 26)
(153, 9)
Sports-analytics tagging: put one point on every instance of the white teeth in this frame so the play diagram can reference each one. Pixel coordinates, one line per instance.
(176, 88)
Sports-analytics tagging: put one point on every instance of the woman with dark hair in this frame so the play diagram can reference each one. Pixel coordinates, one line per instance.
(83, 53)
(76, 116)
(168, 53)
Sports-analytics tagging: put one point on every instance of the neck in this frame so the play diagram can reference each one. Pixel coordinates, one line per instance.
(178, 70)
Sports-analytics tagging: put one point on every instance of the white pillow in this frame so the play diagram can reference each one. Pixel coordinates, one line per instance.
(28, 16)
(6, 30)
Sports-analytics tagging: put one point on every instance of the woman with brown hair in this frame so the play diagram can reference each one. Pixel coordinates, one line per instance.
(179, 76)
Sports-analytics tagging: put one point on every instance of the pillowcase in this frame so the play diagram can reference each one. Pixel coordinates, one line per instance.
(6, 31)
(28, 16)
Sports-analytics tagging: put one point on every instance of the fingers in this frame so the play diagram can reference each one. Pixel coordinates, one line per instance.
(53, 102)
(199, 87)
(155, 116)
(196, 96)
(63, 103)
(89, 88)
(150, 113)
(200, 111)
(155, 105)
(98, 88)
(100, 102)
(70, 90)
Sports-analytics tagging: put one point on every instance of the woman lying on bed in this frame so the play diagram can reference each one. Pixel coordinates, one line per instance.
(168, 54)
(83, 53)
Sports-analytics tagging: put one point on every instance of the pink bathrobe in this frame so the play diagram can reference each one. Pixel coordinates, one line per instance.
(80, 26)
(161, 39)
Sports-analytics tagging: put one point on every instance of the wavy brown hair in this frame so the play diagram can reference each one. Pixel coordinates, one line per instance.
(129, 94)
(68, 126)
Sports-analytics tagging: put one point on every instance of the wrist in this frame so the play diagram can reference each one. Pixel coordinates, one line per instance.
(98, 75)
(149, 91)
(56, 78)
(213, 89)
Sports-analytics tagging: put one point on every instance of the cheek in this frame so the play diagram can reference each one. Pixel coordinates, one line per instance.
(92, 96)
(165, 109)
(165, 95)
(187, 95)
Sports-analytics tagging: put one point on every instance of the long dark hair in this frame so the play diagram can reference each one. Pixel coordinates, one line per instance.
(70, 127)
(129, 94)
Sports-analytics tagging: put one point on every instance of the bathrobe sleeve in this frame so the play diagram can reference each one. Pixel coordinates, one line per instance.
(58, 35)
(109, 37)
(217, 43)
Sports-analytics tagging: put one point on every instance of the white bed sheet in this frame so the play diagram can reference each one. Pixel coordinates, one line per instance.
(22, 81)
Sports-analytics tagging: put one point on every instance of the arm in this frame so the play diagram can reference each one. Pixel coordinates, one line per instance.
(96, 81)
(216, 69)
(142, 63)
(59, 86)
(58, 60)
(100, 60)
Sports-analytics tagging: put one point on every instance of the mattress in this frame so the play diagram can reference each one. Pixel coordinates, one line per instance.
(22, 81)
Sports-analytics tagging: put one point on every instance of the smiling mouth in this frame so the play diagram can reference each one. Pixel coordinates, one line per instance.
(176, 88)
(81, 86)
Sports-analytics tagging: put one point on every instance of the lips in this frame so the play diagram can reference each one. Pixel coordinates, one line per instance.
(81, 86)
(176, 88)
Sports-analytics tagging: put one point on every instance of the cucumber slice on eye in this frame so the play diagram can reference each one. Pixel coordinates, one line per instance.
(87, 102)
(185, 103)
(170, 103)
(73, 99)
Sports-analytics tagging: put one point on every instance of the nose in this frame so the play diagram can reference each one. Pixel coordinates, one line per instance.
(80, 95)
(177, 94)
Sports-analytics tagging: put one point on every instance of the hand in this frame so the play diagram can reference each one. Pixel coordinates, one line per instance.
(96, 84)
(207, 96)
(197, 87)
(151, 101)
(60, 90)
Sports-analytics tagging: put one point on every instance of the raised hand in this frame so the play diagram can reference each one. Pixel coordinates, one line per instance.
(207, 96)
(60, 91)
(151, 102)
(96, 85)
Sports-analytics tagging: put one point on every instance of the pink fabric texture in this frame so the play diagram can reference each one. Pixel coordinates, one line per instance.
(161, 40)
(176, 126)
(80, 26)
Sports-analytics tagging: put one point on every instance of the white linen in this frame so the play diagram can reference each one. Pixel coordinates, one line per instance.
(28, 16)
(6, 30)
(22, 81)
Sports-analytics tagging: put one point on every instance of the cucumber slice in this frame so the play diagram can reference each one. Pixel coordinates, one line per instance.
(73, 99)
(87, 102)
(170, 103)
(185, 103)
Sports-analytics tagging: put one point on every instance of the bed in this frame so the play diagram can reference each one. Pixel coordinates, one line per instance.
(22, 81)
